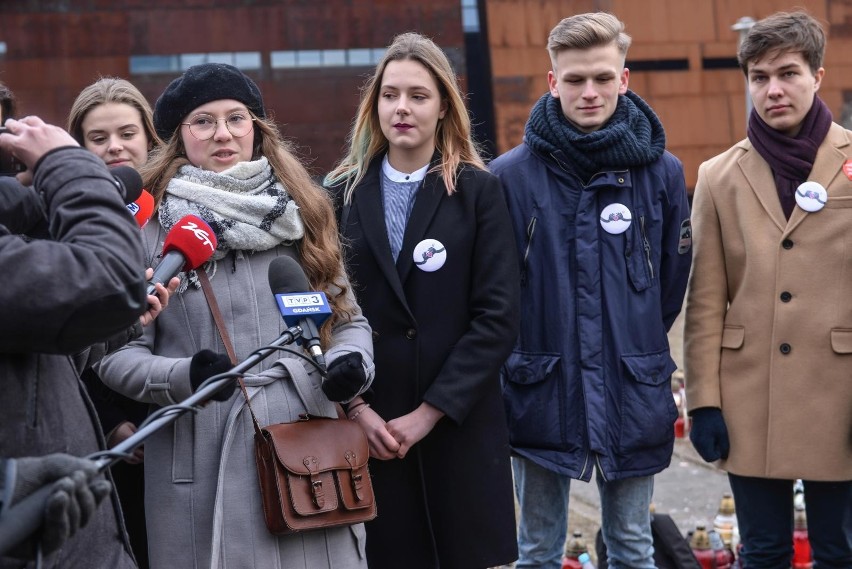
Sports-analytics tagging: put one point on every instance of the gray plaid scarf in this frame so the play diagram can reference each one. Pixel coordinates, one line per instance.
(246, 206)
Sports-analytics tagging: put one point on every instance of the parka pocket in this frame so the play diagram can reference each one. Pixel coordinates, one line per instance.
(648, 411)
(534, 399)
(637, 254)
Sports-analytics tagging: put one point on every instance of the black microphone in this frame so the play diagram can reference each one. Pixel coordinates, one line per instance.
(128, 181)
(22, 209)
(307, 310)
(188, 245)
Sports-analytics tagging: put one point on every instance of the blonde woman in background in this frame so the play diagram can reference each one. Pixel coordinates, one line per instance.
(431, 253)
(114, 120)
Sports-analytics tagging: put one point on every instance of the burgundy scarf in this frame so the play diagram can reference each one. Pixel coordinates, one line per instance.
(791, 159)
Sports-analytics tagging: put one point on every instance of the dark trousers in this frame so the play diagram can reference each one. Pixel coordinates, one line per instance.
(765, 517)
(129, 481)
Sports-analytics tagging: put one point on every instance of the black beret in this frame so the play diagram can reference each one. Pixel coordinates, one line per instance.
(201, 84)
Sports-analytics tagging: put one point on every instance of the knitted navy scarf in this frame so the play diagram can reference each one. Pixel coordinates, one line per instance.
(791, 159)
(633, 136)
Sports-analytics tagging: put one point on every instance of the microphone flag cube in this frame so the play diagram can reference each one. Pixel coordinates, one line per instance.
(295, 306)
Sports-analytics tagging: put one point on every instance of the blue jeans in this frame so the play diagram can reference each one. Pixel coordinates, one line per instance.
(765, 520)
(543, 499)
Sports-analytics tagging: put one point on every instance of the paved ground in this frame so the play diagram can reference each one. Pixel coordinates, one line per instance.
(689, 490)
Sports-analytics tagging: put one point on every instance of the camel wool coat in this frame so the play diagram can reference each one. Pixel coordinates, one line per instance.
(768, 330)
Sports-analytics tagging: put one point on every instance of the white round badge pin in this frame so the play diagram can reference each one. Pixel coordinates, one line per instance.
(811, 196)
(616, 218)
(430, 255)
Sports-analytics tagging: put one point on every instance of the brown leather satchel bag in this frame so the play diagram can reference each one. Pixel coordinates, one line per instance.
(312, 472)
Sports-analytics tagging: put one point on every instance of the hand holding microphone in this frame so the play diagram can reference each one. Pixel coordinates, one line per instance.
(29, 139)
(158, 301)
(73, 497)
(345, 378)
(188, 245)
(309, 310)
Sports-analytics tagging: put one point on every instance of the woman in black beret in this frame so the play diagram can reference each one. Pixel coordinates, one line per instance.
(225, 162)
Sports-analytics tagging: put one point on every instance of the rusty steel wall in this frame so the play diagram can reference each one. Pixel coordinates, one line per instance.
(56, 47)
(702, 106)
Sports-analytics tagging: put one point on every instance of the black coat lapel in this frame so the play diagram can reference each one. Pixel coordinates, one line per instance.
(425, 207)
(368, 201)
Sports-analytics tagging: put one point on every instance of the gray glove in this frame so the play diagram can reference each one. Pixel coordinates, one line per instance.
(73, 498)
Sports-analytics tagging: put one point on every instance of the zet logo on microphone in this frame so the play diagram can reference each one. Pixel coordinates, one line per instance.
(200, 233)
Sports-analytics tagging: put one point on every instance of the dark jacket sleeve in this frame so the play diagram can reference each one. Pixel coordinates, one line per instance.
(473, 365)
(677, 244)
(86, 282)
(21, 209)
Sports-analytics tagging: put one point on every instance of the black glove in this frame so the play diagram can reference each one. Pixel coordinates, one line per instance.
(73, 499)
(708, 434)
(206, 364)
(345, 377)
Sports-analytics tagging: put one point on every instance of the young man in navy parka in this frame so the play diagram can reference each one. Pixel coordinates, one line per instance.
(601, 223)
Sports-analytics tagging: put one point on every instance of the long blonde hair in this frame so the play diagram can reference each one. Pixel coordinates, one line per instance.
(452, 138)
(319, 249)
(111, 90)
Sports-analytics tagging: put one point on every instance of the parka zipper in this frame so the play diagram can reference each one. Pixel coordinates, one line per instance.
(600, 468)
(597, 462)
(646, 244)
(585, 464)
(530, 232)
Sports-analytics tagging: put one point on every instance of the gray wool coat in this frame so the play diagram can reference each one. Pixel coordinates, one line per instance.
(202, 496)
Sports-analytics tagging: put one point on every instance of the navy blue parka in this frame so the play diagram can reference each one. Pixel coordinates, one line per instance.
(588, 382)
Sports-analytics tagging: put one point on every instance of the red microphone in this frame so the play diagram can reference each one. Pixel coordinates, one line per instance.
(142, 209)
(189, 244)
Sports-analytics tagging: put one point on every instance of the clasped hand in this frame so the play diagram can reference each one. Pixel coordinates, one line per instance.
(394, 438)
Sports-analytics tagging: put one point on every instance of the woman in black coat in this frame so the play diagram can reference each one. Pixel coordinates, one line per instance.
(431, 256)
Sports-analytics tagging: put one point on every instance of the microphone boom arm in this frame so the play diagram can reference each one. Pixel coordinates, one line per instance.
(20, 521)
(287, 337)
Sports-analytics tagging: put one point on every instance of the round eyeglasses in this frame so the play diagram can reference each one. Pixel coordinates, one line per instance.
(203, 126)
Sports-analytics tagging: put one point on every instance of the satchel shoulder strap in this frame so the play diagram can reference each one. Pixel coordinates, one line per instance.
(322, 407)
(217, 314)
(226, 338)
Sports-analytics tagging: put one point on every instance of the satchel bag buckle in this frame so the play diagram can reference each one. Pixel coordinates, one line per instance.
(317, 494)
(355, 474)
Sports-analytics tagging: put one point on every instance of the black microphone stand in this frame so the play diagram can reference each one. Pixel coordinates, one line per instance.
(21, 520)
